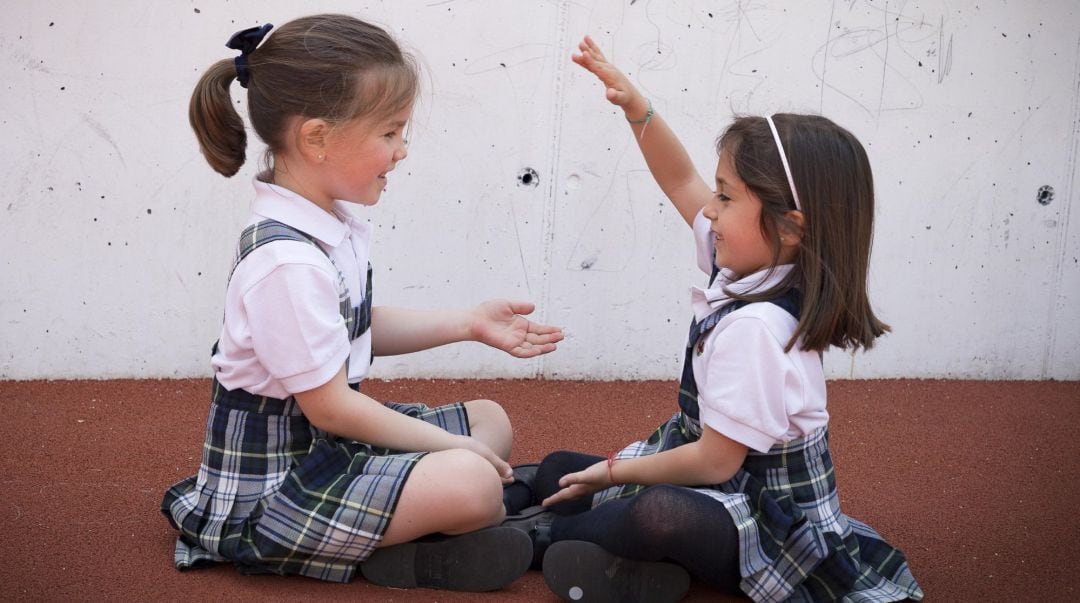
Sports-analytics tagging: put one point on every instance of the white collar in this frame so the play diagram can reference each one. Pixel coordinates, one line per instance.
(706, 301)
(281, 204)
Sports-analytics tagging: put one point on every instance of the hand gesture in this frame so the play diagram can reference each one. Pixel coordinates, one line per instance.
(578, 484)
(500, 324)
(503, 468)
(620, 91)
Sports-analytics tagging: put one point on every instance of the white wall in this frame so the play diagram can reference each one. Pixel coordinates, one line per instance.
(115, 236)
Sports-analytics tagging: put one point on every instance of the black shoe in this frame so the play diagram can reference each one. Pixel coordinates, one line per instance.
(582, 571)
(520, 494)
(525, 474)
(536, 522)
(479, 561)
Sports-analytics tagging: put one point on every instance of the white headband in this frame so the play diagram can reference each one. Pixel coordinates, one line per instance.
(783, 159)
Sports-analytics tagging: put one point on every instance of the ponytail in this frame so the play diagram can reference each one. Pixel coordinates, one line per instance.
(218, 127)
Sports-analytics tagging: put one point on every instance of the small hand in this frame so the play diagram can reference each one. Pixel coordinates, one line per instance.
(578, 484)
(620, 91)
(500, 324)
(505, 471)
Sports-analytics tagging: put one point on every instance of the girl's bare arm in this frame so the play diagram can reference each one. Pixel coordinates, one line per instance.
(500, 324)
(713, 459)
(338, 409)
(664, 154)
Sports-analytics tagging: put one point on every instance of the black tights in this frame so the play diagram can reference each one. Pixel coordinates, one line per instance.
(660, 523)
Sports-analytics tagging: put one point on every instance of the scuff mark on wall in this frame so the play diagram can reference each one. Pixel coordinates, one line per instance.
(100, 130)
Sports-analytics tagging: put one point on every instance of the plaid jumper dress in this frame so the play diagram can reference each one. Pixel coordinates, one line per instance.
(274, 494)
(794, 542)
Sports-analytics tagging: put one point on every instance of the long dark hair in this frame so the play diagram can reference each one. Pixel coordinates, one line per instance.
(333, 67)
(836, 190)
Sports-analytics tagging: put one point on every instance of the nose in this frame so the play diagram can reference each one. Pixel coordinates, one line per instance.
(402, 151)
(710, 209)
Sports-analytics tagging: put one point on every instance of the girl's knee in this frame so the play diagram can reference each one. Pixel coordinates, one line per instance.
(468, 482)
(490, 424)
(487, 411)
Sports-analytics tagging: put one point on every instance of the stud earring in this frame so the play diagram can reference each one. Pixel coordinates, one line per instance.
(321, 156)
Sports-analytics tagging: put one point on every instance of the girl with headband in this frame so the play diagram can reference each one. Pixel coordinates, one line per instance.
(302, 473)
(737, 488)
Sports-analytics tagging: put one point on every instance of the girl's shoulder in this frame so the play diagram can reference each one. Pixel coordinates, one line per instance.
(284, 259)
(765, 319)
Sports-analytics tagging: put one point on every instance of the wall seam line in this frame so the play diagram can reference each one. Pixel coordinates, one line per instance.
(1063, 223)
(551, 199)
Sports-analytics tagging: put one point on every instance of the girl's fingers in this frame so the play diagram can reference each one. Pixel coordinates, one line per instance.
(536, 336)
(560, 496)
(585, 61)
(591, 45)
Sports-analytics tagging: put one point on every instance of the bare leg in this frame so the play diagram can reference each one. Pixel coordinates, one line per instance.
(452, 492)
(489, 424)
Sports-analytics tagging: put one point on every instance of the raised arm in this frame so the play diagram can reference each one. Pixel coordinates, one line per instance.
(664, 154)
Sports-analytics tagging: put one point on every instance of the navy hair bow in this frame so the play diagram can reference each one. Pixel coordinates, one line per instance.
(246, 41)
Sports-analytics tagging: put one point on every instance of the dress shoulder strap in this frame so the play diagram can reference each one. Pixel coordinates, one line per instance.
(268, 231)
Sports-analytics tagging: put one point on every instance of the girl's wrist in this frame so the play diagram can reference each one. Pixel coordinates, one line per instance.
(470, 324)
(611, 469)
(638, 110)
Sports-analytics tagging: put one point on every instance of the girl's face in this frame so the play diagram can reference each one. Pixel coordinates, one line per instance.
(735, 214)
(360, 155)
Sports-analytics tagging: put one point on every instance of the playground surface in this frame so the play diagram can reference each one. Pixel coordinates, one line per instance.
(971, 479)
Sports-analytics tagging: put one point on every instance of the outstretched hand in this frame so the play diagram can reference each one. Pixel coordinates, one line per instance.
(575, 485)
(620, 91)
(500, 324)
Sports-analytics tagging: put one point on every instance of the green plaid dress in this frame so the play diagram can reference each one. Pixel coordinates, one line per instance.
(276, 495)
(794, 542)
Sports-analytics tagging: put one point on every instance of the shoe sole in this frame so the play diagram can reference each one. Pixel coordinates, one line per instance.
(528, 521)
(479, 561)
(585, 573)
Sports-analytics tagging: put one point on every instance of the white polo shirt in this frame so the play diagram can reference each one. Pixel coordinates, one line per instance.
(749, 389)
(283, 331)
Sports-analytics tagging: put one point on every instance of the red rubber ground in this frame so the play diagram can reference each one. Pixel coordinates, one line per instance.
(976, 481)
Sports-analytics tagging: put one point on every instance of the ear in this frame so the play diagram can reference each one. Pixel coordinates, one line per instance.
(311, 139)
(791, 230)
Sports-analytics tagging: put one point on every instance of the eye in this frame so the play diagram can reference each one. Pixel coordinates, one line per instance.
(720, 196)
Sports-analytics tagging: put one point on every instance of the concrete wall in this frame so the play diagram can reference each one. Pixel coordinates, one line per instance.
(115, 236)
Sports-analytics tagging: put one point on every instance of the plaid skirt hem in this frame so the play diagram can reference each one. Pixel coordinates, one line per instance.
(322, 517)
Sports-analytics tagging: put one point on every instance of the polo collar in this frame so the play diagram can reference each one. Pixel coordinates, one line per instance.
(281, 204)
(706, 301)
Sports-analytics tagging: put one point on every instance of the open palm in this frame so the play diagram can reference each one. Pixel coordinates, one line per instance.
(500, 324)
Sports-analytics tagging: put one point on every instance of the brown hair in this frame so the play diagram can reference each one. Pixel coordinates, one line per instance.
(836, 190)
(333, 67)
